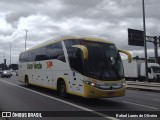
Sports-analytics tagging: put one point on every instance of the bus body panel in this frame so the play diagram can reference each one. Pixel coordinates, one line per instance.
(92, 92)
(46, 73)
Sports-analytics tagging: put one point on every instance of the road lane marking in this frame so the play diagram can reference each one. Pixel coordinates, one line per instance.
(156, 99)
(152, 95)
(140, 105)
(132, 92)
(139, 92)
(63, 101)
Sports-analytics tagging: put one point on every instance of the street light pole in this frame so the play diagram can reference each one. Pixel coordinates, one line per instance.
(145, 45)
(25, 38)
(4, 54)
(4, 66)
(10, 53)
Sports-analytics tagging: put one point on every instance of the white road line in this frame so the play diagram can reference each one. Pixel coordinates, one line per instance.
(156, 99)
(132, 92)
(139, 92)
(72, 104)
(140, 105)
(152, 95)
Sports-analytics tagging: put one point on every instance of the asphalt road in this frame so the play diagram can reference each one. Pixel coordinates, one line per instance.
(14, 96)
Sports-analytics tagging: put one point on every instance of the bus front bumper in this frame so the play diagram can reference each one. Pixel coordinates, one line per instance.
(93, 92)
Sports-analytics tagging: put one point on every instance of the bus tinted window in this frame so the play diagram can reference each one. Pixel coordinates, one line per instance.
(41, 54)
(76, 61)
(52, 51)
(75, 55)
(55, 51)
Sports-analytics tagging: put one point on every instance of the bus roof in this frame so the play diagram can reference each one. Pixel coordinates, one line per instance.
(54, 40)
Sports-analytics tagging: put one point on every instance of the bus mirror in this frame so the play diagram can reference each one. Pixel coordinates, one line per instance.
(83, 49)
(127, 53)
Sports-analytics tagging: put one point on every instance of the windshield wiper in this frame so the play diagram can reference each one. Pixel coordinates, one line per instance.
(114, 67)
(112, 64)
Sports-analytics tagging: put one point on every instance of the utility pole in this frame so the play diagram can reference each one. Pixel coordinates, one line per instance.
(10, 53)
(4, 66)
(145, 45)
(156, 49)
(4, 54)
(25, 38)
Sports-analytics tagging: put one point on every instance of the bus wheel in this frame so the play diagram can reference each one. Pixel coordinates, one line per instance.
(26, 81)
(62, 89)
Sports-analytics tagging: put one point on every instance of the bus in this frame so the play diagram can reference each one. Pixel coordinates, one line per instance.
(89, 67)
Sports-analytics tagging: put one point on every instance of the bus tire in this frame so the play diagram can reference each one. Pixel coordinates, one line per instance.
(62, 89)
(27, 81)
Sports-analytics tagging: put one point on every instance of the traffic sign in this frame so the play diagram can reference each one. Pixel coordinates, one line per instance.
(159, 41)
(135, 37)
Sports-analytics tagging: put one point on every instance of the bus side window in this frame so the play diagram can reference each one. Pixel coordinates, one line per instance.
(76, 61)
(55, 51)
(62, 58)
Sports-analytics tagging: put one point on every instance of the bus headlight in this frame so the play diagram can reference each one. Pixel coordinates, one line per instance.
(93, 84)
(89, 83)
(123, 83)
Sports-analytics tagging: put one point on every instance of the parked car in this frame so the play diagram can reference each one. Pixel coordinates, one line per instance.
(16, 72)
(6, 73)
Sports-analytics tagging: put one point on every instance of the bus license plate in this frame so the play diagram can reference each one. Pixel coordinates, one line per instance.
(110, 93)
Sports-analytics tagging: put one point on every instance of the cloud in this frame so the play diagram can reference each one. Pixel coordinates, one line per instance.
(5, 28)
(45, 19)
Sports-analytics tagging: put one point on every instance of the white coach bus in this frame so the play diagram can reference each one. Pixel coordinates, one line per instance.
(84, 66)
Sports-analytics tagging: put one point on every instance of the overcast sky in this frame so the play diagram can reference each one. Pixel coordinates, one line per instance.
(45, 19)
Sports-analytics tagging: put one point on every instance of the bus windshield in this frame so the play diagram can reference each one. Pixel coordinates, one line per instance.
(104, 62)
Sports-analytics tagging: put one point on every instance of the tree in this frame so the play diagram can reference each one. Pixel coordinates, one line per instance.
(13, 66)
(136, 57)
